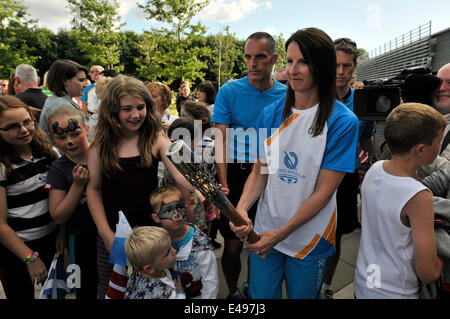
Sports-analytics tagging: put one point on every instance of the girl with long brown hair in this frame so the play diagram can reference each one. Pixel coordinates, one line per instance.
(27, 232)
(123, 163)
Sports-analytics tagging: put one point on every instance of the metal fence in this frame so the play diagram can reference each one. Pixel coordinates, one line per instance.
(407, 51)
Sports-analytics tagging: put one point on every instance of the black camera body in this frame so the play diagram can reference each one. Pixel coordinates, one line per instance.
(378, 98)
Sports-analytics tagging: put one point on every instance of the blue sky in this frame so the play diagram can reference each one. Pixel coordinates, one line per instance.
(369, 23)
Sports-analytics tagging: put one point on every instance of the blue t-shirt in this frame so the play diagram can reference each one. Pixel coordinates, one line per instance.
(238, 104)
(84, 98)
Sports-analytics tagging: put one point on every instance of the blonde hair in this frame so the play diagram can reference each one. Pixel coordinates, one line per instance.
(100, 86)
(411, 124)
(144, 245)
(65, 111)
(163, 91)
(108, 132)
(159, 194)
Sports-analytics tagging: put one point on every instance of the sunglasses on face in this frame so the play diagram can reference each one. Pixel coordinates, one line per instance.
(345, 40)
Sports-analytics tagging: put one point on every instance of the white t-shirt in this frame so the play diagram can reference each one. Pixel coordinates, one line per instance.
(294, 159)
(385, 266)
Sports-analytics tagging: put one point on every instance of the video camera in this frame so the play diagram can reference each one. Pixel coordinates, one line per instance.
(378, 98)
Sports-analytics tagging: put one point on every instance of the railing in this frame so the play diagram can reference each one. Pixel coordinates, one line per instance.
(423, 31)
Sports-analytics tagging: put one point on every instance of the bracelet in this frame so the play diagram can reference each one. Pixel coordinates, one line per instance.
(31, 259)
(27, 258)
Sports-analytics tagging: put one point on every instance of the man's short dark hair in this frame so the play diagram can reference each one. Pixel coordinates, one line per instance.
(264, 35)
(348, 47)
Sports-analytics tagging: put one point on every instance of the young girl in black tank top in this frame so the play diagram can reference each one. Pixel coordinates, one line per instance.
(123, 161)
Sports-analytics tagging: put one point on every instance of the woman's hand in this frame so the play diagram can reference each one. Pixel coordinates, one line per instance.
(268, 240)
(37, 271)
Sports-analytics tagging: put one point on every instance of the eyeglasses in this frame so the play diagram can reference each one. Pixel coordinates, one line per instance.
(346, 40)
(16, 127)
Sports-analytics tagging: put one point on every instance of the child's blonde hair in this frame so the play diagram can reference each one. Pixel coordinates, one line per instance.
(65, 111)
(159, 194)
(100, 86)
(143, 245)
(411, 124)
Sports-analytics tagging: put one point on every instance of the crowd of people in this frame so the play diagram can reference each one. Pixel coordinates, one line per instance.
(283, 146)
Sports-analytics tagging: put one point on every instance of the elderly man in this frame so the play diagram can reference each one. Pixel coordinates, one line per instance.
(28, 82)
(89, 100)
(441, 102)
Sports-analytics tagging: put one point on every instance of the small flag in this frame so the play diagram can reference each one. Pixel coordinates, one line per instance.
(363, 155)
(55, 286)
(123, 230)
(119, 276)
(118, 283)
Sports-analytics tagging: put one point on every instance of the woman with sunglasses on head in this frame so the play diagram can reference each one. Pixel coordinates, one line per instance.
(307, 142)
(27, 232)
(66, 80)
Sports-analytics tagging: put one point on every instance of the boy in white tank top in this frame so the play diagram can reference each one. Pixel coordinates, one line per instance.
(398, 243)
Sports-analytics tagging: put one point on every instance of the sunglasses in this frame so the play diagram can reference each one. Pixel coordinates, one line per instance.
(346, 40)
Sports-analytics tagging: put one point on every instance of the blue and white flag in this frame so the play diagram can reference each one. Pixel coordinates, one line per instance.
(55, 286)
(123, 230)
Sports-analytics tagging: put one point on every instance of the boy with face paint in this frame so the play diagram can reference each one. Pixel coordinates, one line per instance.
(66, 180)
(195, 258)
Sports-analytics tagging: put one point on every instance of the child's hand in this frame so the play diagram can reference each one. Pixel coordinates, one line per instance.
(80, 175)
(178, 284)
(225, 190)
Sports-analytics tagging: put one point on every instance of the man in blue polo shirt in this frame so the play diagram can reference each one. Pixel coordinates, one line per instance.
(236, 111)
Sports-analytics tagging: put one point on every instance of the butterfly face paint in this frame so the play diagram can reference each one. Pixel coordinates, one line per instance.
(175, 211)
(72, 125)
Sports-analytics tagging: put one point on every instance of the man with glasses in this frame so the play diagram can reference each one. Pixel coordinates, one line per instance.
(347, 192)
(89, 100)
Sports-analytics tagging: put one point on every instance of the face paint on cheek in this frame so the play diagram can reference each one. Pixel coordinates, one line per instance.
(72, 125)
(174, 211)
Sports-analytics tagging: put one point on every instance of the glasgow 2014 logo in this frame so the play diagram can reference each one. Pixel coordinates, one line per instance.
(290, 174)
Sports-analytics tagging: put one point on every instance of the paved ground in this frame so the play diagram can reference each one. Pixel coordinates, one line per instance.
(342, 282)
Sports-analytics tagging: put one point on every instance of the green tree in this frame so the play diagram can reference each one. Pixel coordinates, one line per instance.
(225, 54)
(95, 25)
(174, 54)
(14, 49)
(281, 50)
(177, 13)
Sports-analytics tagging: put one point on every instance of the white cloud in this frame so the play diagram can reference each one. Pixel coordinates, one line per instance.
(271, 30)
(53, 14)
(230, 11)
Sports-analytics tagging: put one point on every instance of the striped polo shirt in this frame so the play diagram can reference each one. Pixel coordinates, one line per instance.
(27, 197)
